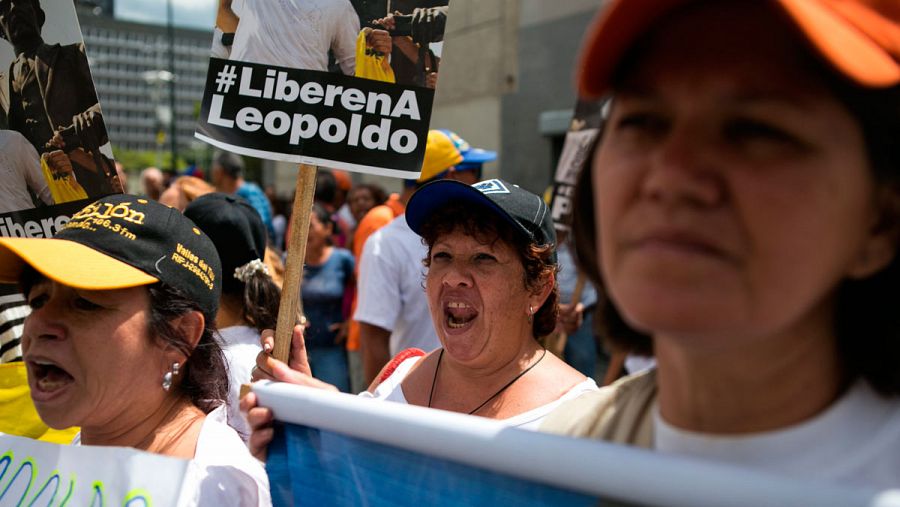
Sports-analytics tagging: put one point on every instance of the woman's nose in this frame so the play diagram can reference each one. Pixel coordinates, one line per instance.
(457, 275)
(684, 170)
(44, 322)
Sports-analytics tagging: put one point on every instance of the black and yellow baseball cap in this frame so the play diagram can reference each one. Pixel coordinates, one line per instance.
(122, 241)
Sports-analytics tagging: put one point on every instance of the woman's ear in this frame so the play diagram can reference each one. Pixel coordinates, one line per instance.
(190, 326)
(540, 295)
(880, 247)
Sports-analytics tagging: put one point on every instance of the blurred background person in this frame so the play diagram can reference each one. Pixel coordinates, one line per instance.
(327, 275)
(364, 197)
(228, 177)
(152, 183)
(250, 299)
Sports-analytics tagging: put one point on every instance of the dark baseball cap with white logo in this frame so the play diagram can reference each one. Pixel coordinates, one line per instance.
(526, 212)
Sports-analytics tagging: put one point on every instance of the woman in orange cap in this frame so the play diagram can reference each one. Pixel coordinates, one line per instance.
(741, 218)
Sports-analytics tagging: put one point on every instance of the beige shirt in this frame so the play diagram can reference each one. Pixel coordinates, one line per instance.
(621, 413)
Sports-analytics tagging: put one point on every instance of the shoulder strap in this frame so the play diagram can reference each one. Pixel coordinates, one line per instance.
(392, 365)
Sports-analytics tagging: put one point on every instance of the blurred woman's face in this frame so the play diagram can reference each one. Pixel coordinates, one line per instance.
(89, 357)
(733, 190)
(478, 299)
(361, 201)
(318, 232)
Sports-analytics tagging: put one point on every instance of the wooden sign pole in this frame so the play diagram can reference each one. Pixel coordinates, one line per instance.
(290, 311)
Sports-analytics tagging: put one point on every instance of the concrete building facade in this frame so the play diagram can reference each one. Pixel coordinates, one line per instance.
(130, 67)
(506, 81)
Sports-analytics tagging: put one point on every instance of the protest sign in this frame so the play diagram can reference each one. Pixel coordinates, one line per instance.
(55, 158)
(53, 140)
(17, 413)
(42, 474)
(339, 449)
(270, 94)
(343, 84)
(583, 131)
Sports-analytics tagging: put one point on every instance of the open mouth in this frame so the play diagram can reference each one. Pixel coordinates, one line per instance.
(49, 377)
(459, 314)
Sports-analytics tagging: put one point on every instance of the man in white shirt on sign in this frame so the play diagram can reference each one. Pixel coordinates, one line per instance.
(20, 170)
(296, 33)
(392, 309)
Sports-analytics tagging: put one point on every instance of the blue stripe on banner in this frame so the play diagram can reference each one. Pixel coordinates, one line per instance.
(307, 466)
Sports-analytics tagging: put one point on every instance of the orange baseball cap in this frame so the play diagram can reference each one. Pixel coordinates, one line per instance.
(860, 39)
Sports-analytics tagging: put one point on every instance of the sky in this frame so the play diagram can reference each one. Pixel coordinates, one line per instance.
(190, 13)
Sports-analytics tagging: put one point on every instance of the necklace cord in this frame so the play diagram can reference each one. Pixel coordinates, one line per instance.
(479, 407)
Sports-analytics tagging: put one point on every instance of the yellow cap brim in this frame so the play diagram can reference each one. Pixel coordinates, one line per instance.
(68, 263)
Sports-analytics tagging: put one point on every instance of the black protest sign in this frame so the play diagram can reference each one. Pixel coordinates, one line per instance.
(349, 85)
(55, 154)
(582, 134)
(314, 117)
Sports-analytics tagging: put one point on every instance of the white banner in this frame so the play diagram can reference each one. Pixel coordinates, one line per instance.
(610, 473)
(36, 473)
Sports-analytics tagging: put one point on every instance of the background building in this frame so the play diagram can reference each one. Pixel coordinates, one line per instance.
(130, 66)
(105, 7)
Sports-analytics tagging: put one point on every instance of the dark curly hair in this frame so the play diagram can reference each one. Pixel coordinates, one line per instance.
(485, 225)
(867, 323)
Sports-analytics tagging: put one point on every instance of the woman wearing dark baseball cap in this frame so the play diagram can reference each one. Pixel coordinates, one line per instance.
(741, 216)
(120, 340)
(491, 288)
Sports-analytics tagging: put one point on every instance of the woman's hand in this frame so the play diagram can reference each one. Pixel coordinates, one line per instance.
(260, 420)
(297, 371)
(571, 316)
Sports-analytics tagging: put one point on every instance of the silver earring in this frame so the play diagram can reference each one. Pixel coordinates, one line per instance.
(171, 374)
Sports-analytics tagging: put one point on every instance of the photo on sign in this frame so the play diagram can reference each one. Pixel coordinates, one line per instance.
(54, 147)
(393, 41)
(347, 84)
(580, 138)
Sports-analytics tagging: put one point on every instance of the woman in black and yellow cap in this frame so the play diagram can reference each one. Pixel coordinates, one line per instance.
(120, 340)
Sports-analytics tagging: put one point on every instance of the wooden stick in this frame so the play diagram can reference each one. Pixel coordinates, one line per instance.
(579, 287)
(290, 311)
(556, 342)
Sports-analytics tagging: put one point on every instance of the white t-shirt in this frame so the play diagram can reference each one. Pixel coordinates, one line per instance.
(20, 169)
(391, 294)
(297, 33)
(856, 441)
(240, 344)
(391, 390)
(223, 472)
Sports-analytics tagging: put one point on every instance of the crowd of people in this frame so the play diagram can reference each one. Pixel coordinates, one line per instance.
(738, 221)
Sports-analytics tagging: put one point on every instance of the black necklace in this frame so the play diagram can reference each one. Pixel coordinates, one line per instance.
(479, 407)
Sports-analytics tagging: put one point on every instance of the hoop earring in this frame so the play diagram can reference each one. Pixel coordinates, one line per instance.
(530, 314)
(169, 377)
